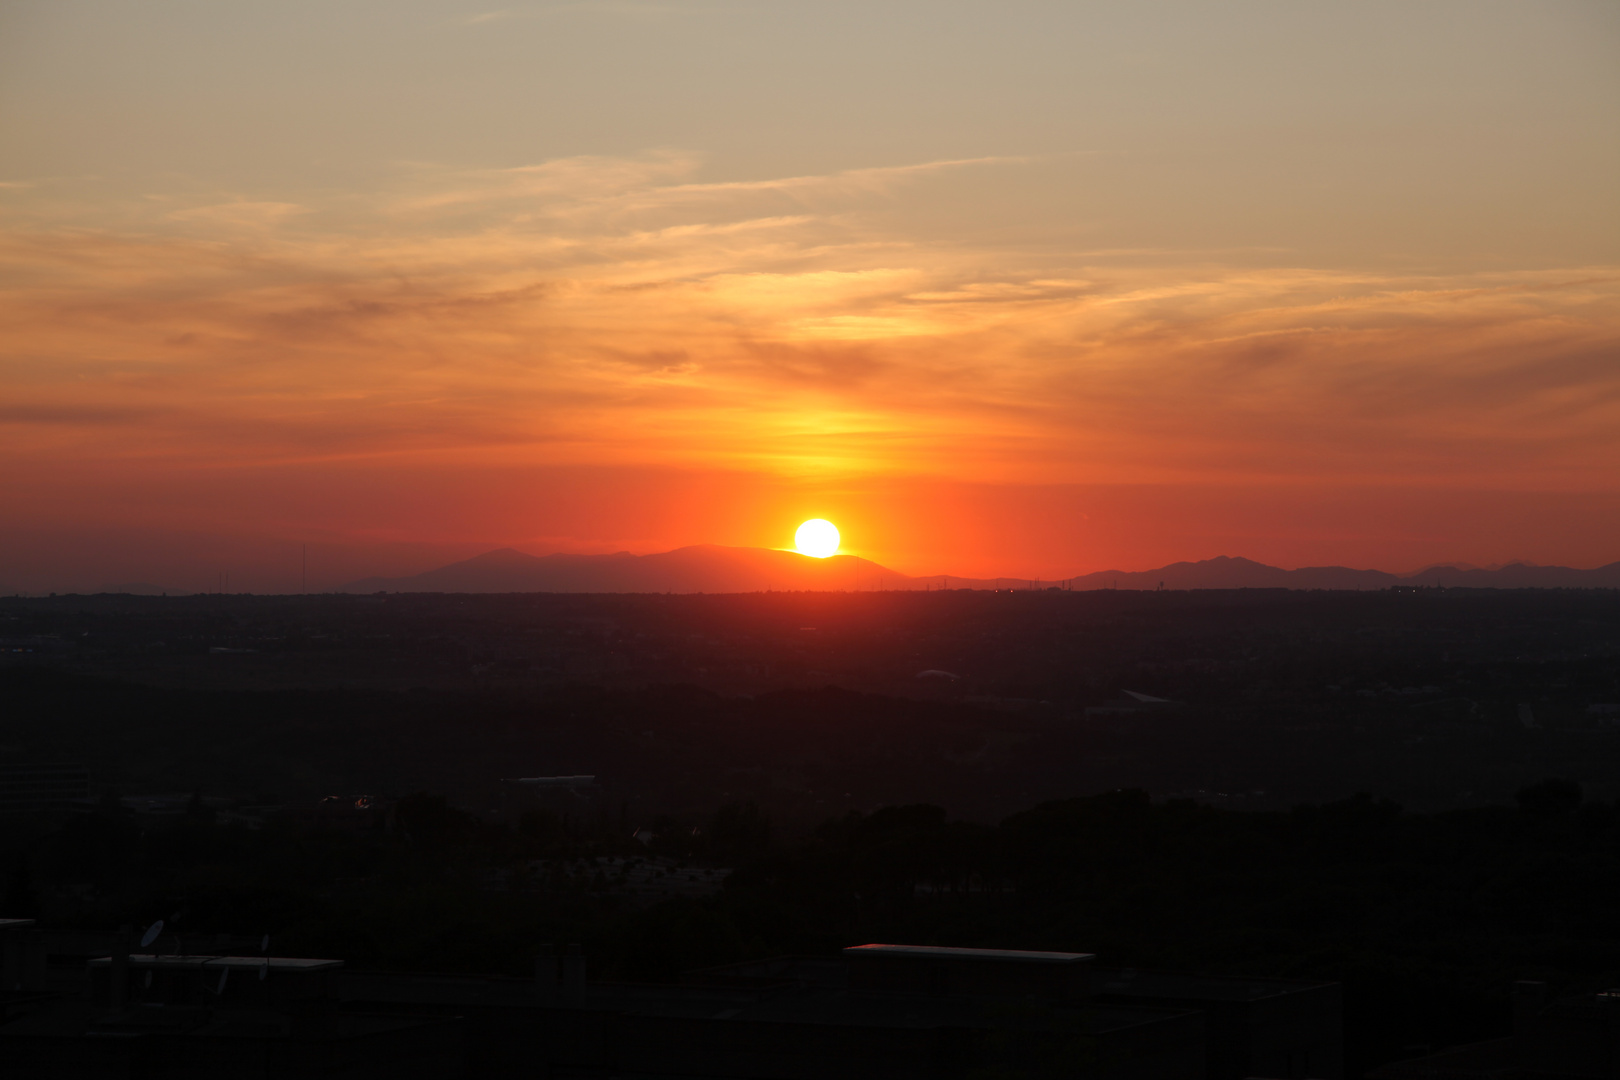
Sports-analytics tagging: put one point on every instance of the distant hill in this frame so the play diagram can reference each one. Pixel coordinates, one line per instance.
(141, 588)
(710, 568)
(1519, 576)
(1224, 572)
(701, 568)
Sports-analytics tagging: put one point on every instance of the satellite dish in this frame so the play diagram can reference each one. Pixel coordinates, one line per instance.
(152, 933)
(223, 975)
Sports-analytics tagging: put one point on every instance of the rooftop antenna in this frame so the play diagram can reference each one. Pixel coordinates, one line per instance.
(223, 975)
(303, 581)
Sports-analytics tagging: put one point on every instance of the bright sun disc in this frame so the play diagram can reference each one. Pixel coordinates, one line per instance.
(817, 538)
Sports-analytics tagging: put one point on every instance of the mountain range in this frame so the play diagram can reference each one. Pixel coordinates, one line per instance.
(710, 568)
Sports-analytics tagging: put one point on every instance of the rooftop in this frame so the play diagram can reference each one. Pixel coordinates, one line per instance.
(942, 952)
(246, 963)
(1180, 986)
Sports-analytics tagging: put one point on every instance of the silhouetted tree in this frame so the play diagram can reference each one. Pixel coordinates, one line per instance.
(426, 817)
(19, 902)
(739, 830)
(1550, 799)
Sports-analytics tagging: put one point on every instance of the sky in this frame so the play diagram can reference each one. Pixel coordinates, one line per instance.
(1014, 288)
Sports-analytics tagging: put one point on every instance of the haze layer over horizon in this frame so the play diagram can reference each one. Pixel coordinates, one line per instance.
(1017, 289)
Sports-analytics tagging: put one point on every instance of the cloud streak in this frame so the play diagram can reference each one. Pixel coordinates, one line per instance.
(623, 312)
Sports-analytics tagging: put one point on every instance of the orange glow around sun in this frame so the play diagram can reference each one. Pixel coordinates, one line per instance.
(987, 347)
(817, 538)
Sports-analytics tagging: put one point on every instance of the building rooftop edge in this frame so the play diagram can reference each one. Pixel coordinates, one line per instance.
(274, 963)
(946, 952)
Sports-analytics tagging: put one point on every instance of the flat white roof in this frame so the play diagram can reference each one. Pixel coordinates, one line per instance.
(944, 952)
(246, 963)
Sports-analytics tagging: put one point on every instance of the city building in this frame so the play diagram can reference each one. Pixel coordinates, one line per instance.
(575, 796)
(873, 1011)
(220, 1017)
(1255, 1027)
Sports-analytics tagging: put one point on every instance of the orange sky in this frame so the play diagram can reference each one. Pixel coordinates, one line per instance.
(1374, 336)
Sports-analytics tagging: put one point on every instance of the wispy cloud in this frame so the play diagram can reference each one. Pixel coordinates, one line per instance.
(623, 9)
(623, 310)
(239, 214)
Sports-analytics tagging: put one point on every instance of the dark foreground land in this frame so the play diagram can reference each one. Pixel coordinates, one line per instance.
(771, 776)
(811, 704)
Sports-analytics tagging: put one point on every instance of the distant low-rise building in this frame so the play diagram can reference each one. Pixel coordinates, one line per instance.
(572, 795)
(1256, 1027)
(874, 1011)
(219, 1016)
(344, 813)
(877, 1011)
(1130, 703)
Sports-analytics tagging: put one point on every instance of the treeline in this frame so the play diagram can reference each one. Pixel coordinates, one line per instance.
(800, 755)
(1426, 918)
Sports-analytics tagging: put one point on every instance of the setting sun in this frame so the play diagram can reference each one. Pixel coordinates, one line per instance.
(817, 538)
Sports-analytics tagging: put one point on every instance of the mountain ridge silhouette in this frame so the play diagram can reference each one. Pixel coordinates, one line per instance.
(713, 568)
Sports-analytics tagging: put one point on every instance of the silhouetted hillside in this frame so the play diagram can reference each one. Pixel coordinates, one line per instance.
(709, 568)
(702, 568)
